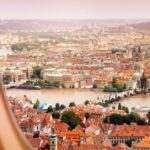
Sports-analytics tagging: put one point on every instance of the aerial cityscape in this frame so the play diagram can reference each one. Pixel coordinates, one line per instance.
(77, 80)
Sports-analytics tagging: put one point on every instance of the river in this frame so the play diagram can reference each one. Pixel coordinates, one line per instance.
(140, 100)
(65, 96)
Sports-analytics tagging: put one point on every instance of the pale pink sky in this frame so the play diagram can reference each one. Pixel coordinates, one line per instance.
(74, 9)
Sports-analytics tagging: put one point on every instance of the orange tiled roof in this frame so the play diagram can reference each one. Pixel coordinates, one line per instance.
(73, 134)
(145, 143)
(131, 131)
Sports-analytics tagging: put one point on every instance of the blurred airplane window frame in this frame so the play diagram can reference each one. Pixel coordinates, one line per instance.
(11, 136)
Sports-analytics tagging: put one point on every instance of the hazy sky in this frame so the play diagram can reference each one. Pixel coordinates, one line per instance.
(74, 9)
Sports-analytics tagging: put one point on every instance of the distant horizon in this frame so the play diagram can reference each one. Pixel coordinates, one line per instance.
(74, 9)
(74, 19)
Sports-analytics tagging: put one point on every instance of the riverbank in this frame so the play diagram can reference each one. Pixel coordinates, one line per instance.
(39, 84)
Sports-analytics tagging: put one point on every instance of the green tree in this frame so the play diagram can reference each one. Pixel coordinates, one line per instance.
(36, 105)
(71, 119)
(13, 102)
(102, 104)
(37, 71)
(116, 119)
(87, 115)
(62, 106)
(71, 104)
(6, 79)
(117, 85)
(56, 115)
(125, 109)
(106, 120)
(141, 122)
(148, 115)
(56, 84)
(50, 109)
(148, 122)
(125, 87)
(129, 142)
(86, 102)
(119, 106)
(126, 119)
(110, 89)
(57, 106)
(134, 117)
(113, 82)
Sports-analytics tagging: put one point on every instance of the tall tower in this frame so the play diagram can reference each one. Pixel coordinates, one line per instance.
(137, 54)
(143, 81)
(53, 140)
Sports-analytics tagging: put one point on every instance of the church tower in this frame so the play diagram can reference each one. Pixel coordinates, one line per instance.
(53, 140)
(137, 54)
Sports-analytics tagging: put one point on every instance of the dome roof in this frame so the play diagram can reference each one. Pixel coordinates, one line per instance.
(136, 74)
